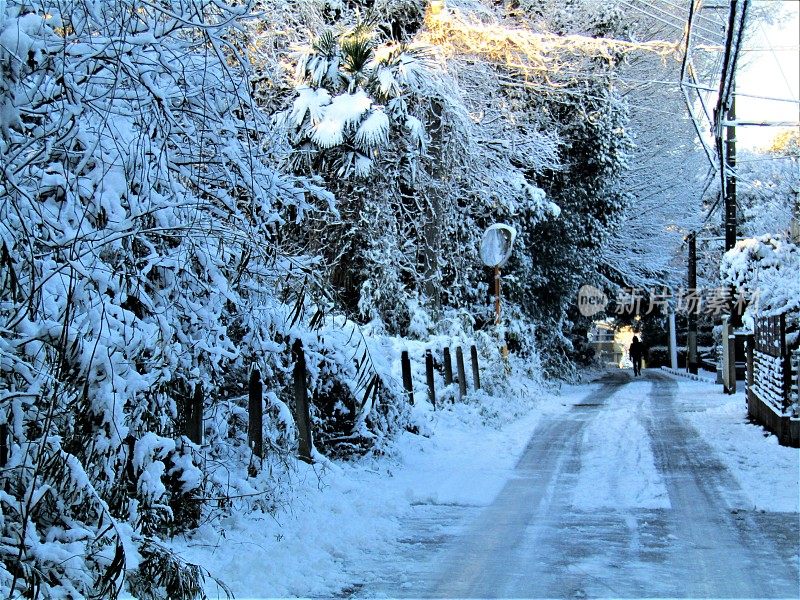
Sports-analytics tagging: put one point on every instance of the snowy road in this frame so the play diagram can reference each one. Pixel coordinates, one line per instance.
(618, 497)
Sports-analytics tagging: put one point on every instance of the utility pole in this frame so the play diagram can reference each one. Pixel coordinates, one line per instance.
(730, 192)
(729, 324)
(691, 359)
(730, 175)
(673, 344)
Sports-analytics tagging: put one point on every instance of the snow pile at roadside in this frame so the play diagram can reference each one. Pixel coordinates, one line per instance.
(769, 474)
(343, 512)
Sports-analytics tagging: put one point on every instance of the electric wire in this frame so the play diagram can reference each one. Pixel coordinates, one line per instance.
(682, 9)
(766, 158)
(652, 16)
(680, 27)
(777, 62)
(700, 15)
(745, 94)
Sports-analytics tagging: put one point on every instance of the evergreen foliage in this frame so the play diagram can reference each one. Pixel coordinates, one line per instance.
(189, 187)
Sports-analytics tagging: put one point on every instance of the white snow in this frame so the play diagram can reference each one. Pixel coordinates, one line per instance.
(362, 166)
(618, 468)
(388, 83)
(374, 130)
(309, 101)
(417, 129)
(343, 514)
(345, 110)
(769, 474)
(765, 270)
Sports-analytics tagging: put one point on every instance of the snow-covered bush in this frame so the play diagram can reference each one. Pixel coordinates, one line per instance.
(138, 220)
(764, 271)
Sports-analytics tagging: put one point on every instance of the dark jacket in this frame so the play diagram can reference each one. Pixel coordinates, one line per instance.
(637, 349)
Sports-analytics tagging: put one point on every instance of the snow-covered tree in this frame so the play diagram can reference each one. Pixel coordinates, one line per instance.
(764, 271)
(667, 169)
(512, 101)
(354, 122)
(415, 177)
(764, 266)
(768, 187)
(139, 265)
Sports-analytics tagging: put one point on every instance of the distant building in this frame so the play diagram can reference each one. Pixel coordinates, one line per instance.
(607, 350)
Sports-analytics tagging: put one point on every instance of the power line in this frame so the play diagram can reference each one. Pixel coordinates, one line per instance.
(743, 94)
(699, 14)
(761, 123)
(671, 15)
(732, 45)
(774, 55)
(657, 18)
(776, 49)
(768, 158)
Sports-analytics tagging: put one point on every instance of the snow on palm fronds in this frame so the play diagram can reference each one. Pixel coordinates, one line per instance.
(344, 112)
(374, 130)
(353, 94)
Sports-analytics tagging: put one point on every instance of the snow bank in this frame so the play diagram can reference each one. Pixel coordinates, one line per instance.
(342, 513)
(768, 473)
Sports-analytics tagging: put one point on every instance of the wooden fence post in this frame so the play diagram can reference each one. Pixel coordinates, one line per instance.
(462, 376)
(476, 377)
(448, 367)
(429, 377)
(786, 355)
(301, 407)
(194, 415)
(255, 411)
(405, 366)
(749, 341)
(3, 444)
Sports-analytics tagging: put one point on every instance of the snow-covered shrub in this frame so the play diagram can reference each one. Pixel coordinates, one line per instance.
(162, 575)
(764, 271)
(138, 219)
(357, 406)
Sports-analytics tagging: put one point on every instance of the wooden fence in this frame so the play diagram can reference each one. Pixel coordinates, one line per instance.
(190, 417)
(447, 374)
(773, 369)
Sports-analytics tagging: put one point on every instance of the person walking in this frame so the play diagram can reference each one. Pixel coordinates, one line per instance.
(636, 351)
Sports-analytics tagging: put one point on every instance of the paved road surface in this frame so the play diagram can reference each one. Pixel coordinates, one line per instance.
(535, 541)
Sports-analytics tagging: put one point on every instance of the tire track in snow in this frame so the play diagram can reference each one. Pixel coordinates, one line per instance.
(664, 518)
(718, 550)
(485, 563)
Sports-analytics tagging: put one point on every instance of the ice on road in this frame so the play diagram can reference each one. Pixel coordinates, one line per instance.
(618, 497)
